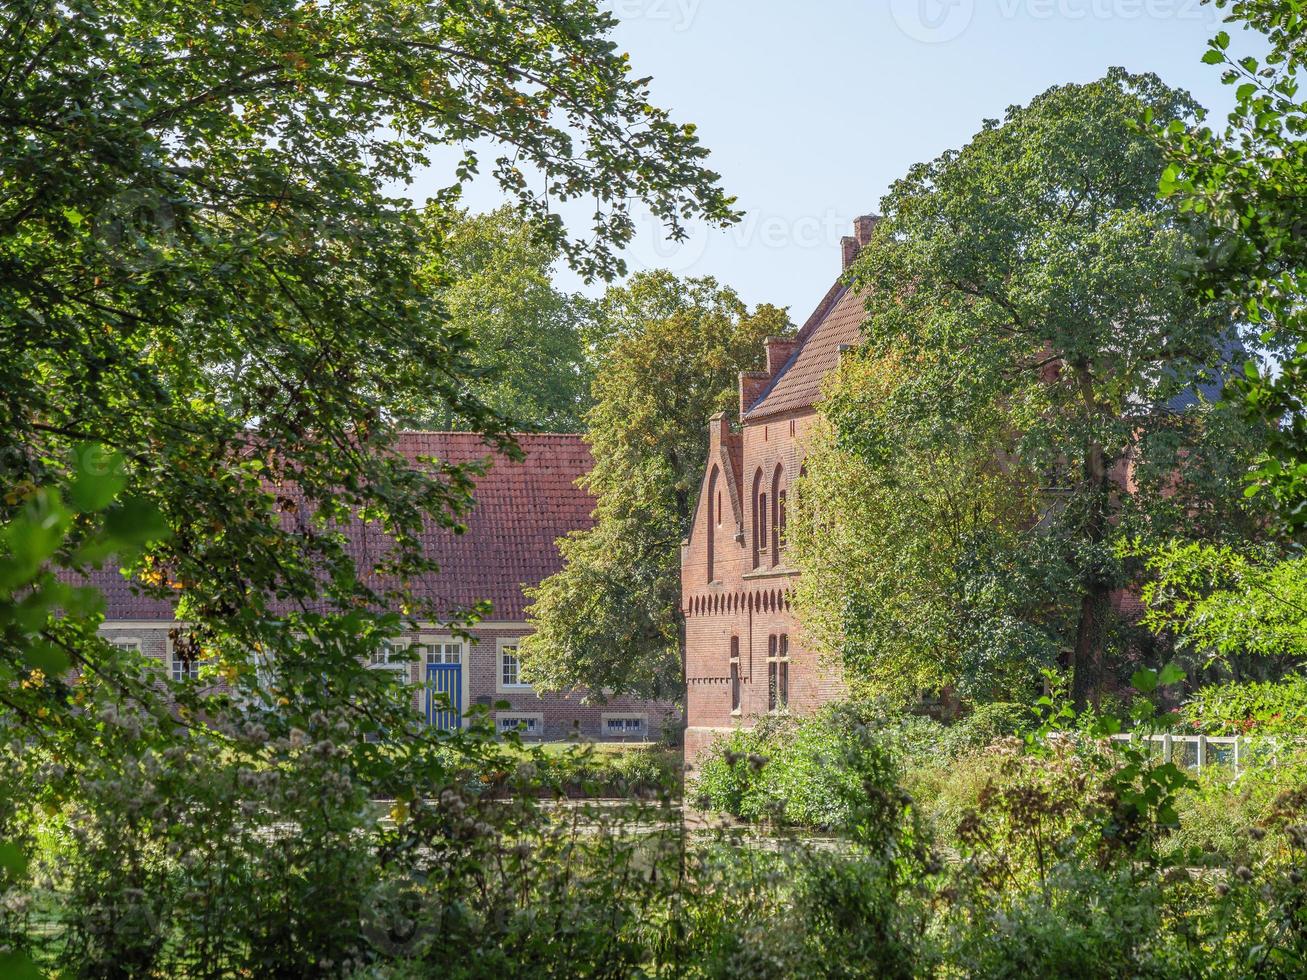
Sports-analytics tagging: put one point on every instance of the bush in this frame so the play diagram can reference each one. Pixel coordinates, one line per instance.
(1254, 707)
(827, 771)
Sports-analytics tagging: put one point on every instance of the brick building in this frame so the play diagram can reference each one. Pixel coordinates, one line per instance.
(521, 510)
(744, 653)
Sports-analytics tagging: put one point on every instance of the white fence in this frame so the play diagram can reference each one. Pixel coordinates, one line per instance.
(1200, 751)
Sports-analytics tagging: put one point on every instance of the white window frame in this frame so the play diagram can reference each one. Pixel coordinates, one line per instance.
(506, 721)
(391, 645)
(123, 642)
(501, 646)
(639, 716)
(443, 642)
(180, 670)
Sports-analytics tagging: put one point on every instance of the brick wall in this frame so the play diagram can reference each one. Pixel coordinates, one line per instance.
(563, 715)
(743, 597)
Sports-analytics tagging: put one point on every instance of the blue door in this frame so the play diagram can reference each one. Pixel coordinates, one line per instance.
(447, 680)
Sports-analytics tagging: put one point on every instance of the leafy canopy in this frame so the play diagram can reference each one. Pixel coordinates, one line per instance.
(669, 354)
(1030, 284)
(494, 275)
(1249, 182)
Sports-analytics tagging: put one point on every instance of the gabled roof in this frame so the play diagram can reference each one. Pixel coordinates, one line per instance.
(521, 509)
(836, 323)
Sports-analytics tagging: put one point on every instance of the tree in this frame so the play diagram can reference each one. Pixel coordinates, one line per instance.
(670, 352)
(1249, 182)
(906, 521)
(494, 275)
(1034, 273)
(204, 268)
(1246, 612)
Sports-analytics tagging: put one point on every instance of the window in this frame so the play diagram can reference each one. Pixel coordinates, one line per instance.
(625, 726)
(510, 667)
(780, 521)
(128, 644)
(185, 665)
(441, 652)
(764, 530)
(778, 672)
(778, 512)
(527, 726)
(182, 654)
(390, 655)
(735, 675)
(714, 521)
(759, 542)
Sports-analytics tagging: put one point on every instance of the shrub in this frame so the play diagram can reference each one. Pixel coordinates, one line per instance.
(827, 771)
(1253, 707)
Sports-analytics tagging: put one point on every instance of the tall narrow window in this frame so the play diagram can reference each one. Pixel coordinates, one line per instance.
(764, 531)
(759, 541)
(714, 519)
(780, 520)
(778, 511)
(735, 675)
(778, 672)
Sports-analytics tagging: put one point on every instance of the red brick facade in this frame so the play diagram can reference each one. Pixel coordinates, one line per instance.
(744, 651)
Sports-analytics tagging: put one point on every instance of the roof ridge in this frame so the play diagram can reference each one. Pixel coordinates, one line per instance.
(815, 320)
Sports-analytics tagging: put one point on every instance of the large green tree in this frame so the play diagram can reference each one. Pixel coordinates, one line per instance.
(205, 267)
(670, 352)
(1035, 277)
(494, 273)
(1248, 179)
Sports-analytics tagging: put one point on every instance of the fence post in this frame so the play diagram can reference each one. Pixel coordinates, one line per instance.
(1166, 747)
(1202, 752)
(1238, 753)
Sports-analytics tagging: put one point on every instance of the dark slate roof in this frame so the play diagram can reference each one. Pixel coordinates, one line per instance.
(835, 323)
(521, 509)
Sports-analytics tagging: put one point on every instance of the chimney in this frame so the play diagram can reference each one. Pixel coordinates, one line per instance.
(751, 385)
(779, 350)
(848, 250)
(851, 245)
(863, 227)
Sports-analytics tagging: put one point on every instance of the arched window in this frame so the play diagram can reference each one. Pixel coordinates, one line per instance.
(778, 491)
(714, 519)
(759, 498)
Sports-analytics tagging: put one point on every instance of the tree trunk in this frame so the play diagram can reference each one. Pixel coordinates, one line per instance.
(1087, 653)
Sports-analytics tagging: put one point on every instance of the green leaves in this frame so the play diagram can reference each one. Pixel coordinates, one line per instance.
(1146, 680)
(100, 476)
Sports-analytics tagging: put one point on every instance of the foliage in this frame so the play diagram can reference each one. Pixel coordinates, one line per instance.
(903, 525)
(828, 771)
(1251, 707)
(47, 534)
(670, 351)
(1248, 181)
(1243, 610)
(1029, 285)
(494, 275)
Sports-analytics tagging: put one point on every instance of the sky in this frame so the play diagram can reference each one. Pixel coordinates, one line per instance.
(811, 109)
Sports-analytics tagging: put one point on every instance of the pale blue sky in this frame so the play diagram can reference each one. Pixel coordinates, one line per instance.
(812, 109)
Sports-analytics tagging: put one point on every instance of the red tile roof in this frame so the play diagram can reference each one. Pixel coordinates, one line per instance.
(836, 322)
(521, 509)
